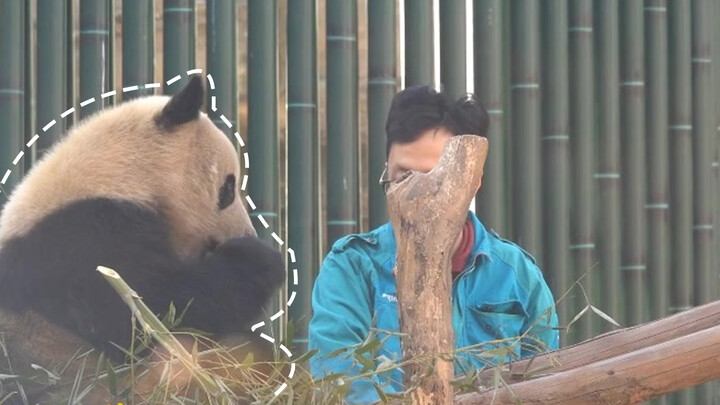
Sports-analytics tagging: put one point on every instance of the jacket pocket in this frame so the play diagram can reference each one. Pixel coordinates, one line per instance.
(495, 320)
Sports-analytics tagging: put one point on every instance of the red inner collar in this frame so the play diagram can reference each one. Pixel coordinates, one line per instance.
(466, 244)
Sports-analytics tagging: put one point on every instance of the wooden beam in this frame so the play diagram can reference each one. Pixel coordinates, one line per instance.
(610, 344)
(648, 371)
(428, 211)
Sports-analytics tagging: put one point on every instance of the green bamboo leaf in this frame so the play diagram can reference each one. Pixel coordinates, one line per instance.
(305, 356)
(51, 376)
(385, 364)
(370, 345)
(604, 316)
(380, 393)
(367, 364)
(339, 351)
(578, 316)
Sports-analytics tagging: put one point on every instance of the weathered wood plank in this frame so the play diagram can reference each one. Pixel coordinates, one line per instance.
(427, 211)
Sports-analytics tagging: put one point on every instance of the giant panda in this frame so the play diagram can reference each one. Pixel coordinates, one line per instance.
(148, 188)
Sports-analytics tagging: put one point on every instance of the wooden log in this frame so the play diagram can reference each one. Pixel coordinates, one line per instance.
(630, 378)
(427, 211)
(610, 344)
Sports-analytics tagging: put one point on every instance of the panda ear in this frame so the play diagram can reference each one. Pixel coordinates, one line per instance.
(183, 106)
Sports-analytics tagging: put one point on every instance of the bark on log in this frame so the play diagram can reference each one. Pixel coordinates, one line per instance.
(611, 344)
(427, 211)
(630, 378)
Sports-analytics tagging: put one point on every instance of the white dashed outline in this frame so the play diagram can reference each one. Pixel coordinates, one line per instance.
(250, 202)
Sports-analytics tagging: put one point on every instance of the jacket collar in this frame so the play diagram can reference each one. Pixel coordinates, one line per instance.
(386, 239)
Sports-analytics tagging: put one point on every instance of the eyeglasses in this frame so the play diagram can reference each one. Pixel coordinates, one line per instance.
(384, 180)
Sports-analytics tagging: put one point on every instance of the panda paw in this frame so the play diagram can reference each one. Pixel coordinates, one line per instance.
(258, 261)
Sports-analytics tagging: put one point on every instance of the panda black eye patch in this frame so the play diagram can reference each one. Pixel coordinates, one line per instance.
(226, 196)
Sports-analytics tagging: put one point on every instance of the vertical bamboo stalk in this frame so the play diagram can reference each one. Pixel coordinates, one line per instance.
(51, 71)
(488, 23)
(241, 45)
(704, 143)
(525, 127)
(608, 167)
(382, 86)
(262, 112)
(716, 160)
(221, 63)
(137, 46)
(555, 149)
(419, 56)
(453, 58)
(681, 155)
(178, 42)
(302, 169)
(342, 119)
(95, 53)
(30, 70)
(657, 204)
(363, 45)
(632, 126)
(72, 76)
(582, 230)
(281, 100)
(680, 133)
(12, 93)
(321, 61)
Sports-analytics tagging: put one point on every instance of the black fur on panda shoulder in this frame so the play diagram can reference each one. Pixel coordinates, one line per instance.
(52, 271)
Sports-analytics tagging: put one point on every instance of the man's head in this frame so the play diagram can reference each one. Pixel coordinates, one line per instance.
(419, 123)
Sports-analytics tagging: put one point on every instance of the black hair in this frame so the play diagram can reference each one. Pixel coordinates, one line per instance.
(419, 108)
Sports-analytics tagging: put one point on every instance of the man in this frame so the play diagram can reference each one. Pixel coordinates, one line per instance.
(498, 292)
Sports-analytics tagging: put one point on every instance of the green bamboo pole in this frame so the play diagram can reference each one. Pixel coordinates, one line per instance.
(342, 120)
(95, 53)
(555, 151)
(704, 144)
(582, 229)
(657, 204)
(419, 57)
(632, 126)
(178, 43)
(488, 23)
(222, 64)
(453, 45)
(382, 86)
(608, 167)
(12, 93)
(155, 327)
(72, 50)
(716, 162)
(302, 186)
(51, 71)
(525, 127)
(262, 114)
(681, 155)
(30, 84)
(138, 46)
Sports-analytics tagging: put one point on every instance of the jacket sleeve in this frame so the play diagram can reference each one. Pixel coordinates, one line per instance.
(342, 317)
(541, 325)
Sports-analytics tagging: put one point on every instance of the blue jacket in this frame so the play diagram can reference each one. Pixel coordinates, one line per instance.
(500, 294)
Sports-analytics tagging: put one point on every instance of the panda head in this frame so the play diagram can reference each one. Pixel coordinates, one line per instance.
(160, 152)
